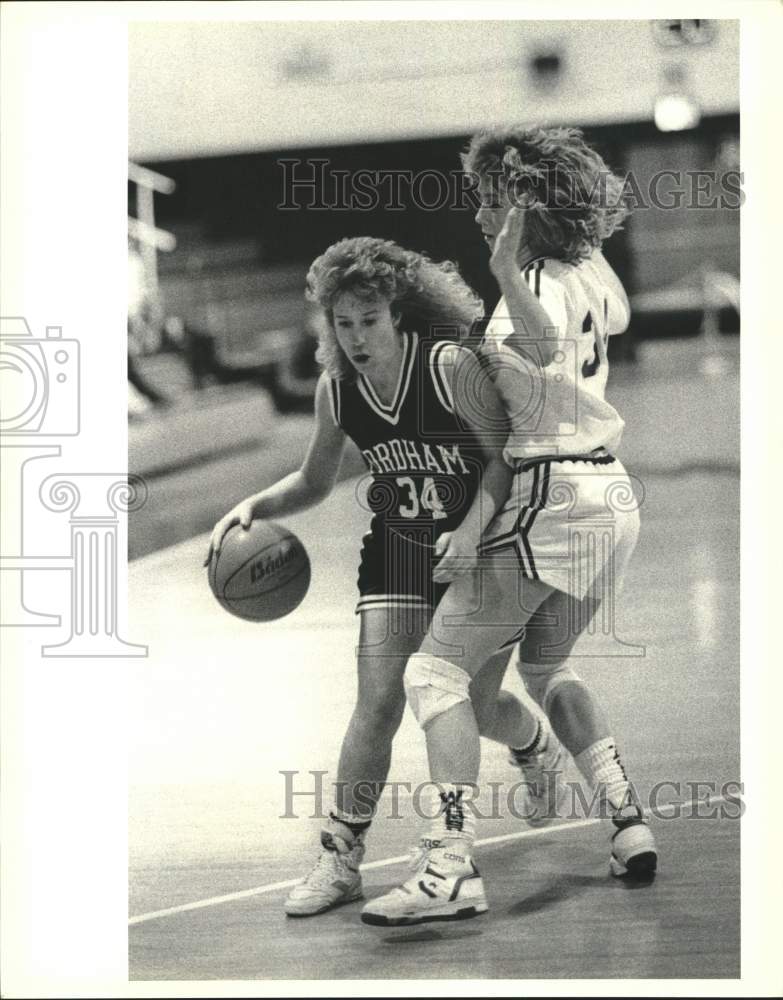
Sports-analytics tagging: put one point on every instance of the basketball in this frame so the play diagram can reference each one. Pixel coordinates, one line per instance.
(260, 574)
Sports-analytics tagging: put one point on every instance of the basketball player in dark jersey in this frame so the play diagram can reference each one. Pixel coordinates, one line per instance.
(425, 466)
(399, 387)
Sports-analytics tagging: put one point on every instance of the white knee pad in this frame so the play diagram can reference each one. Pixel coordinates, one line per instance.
(433, 686)
(541, 683)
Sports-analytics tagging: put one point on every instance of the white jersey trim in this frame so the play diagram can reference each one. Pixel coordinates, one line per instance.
(391, 413)
(334, 400)
(391, 601)
(439, 377)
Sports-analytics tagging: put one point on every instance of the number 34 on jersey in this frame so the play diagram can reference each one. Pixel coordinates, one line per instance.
(414, 500)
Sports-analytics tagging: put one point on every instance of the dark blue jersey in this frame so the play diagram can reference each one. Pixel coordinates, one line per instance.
(425, 463)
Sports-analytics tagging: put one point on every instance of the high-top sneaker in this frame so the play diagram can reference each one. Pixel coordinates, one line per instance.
(541, 766)
(334, 880)
(634, 854)
(444, 885)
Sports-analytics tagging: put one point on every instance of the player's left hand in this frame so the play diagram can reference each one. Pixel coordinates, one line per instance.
(507, 242)
(457, 555)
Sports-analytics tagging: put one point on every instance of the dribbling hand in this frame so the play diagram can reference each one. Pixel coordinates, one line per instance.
(242, 514)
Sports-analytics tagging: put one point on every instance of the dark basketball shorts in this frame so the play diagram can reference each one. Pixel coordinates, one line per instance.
(396, 566)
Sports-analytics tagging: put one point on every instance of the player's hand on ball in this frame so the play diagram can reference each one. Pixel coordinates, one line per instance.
(242, 514)
(457, 556)
(506, 248)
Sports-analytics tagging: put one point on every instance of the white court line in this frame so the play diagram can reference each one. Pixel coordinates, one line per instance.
(387, 862)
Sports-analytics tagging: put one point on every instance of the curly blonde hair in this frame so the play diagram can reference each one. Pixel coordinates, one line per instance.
(424, 294)
(573, 201)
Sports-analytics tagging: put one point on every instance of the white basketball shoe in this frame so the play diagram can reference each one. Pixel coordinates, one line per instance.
(634, 854)
(542, 771)
(444, 885)
(334, 880)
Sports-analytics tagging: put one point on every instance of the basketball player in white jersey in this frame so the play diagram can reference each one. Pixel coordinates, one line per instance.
(547, 203)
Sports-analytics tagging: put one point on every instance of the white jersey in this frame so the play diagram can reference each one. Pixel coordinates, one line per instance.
(560, 409)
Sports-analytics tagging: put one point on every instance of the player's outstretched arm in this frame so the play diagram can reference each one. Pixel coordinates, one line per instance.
(478, 404)
(301, 489)
(534, 335)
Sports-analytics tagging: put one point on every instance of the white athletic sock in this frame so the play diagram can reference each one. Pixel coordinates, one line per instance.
(600, 764)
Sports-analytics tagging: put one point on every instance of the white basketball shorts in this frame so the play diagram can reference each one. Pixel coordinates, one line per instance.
(568, 521)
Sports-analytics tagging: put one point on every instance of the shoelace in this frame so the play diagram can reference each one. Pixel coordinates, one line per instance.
(416, 861)
(628, 815)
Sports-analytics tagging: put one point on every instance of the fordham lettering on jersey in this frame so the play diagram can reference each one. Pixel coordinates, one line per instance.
(426, 463)
(404, 455)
